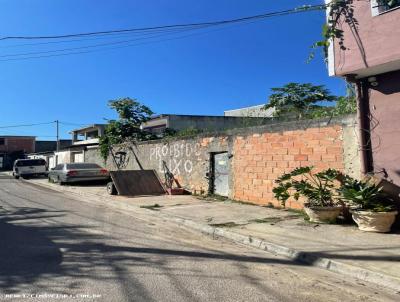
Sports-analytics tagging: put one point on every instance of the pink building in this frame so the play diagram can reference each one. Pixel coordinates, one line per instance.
(371, 60)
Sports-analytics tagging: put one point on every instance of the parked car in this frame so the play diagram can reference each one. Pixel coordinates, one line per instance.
(29, 167)
(77, 172)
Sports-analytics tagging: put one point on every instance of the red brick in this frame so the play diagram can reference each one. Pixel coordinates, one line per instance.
(271, 164)
(306, 151)
(301, 157)
(294, 151)
(277, 157)
(334, 150)
(319, 150)
(314, 157)
(288, 157)
(282, 164)
(267, 157)
(328, 157)
(260, 163)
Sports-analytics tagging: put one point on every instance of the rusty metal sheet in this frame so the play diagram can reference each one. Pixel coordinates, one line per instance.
(137, 182)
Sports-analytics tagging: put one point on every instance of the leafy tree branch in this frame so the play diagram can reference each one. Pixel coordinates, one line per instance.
(131, 114)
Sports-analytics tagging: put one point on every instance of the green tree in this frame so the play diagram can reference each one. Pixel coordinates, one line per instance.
(298, 100)
(131, 114)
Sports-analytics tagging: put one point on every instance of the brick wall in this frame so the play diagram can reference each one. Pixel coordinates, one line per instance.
(13, 144)
(261, 158)
(258, 155)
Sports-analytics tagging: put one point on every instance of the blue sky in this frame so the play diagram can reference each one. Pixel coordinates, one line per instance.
(204, 73)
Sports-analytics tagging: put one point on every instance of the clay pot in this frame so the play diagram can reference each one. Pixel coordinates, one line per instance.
(379, 222)
(322, 214)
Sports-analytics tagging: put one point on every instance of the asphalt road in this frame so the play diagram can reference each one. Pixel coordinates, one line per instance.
(57, 248)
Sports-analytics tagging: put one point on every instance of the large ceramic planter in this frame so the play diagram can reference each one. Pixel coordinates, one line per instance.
(322, 214)
(368, 221)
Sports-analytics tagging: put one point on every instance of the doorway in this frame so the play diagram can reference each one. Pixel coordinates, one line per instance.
(220, 171)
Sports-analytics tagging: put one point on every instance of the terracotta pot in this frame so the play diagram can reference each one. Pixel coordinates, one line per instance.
(368, 221)
(322, 214)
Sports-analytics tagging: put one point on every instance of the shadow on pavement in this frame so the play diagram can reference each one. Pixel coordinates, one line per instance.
(36, 247)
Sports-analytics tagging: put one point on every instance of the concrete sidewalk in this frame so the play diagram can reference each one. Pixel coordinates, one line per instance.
(340, 248)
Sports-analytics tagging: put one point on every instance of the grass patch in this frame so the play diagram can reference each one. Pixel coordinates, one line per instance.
(154, 207)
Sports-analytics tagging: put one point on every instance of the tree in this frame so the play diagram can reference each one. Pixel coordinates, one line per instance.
(298, 100)
(131, 114)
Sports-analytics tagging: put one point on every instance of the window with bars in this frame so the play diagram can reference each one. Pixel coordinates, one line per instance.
(380, 6)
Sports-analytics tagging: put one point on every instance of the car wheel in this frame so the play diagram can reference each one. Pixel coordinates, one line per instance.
(16, 176)
(61, 183)
(111, 189)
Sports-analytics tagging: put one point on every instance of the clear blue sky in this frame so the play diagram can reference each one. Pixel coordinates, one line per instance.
(201, 74)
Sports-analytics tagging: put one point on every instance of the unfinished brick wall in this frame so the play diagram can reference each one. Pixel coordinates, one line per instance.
(257, 156)
(261, 158)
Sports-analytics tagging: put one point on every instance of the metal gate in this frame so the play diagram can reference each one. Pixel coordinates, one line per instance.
(221, 174)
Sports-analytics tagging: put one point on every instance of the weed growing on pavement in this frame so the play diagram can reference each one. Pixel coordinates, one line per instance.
(154, 207)
(229, 224)
(267, 220)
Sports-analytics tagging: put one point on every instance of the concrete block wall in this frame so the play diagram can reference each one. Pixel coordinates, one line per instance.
(258, 155)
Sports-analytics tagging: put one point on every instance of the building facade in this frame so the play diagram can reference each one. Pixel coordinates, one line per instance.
(370, 59)
(14, 147)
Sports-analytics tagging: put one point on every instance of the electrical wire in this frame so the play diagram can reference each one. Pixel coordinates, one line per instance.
(84, 47)
(26, 125)
(305, 8)
(114, 36)
(146, 32)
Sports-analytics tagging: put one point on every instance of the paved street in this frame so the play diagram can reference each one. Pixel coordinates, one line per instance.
(53, 244)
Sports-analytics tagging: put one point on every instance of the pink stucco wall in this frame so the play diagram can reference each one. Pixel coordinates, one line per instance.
(384, 103)
(379, 37)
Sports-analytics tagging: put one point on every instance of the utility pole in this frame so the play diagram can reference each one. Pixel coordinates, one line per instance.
(58, 138)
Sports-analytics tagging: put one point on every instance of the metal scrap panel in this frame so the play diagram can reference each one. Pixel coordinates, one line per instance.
(137, 182)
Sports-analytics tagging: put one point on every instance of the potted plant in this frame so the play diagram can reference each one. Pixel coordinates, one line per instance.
(372, 210)
(319, 189)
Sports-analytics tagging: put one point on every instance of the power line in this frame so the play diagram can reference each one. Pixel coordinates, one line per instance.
(72, 124)
(117, 47)
(113, 36)
(304, 8)
(25, 125)
(82, 47)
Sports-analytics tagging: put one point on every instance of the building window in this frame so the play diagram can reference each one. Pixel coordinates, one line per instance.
(2, 141)
(380, 6)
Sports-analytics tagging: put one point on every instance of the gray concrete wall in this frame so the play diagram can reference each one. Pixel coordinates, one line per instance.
(213, 123)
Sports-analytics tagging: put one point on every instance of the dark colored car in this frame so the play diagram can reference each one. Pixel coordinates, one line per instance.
(78, 172)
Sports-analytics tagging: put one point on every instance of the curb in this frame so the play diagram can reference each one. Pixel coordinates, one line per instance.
(298, 256)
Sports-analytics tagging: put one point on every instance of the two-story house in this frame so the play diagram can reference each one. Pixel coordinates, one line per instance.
(370, 59)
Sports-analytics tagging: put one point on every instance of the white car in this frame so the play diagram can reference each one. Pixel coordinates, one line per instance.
(29, 167)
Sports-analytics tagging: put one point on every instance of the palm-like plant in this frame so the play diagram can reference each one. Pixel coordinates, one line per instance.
(365, 195)
(318, 188)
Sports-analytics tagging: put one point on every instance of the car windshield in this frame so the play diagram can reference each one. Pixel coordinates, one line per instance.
(31, 162)
(83, 166)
